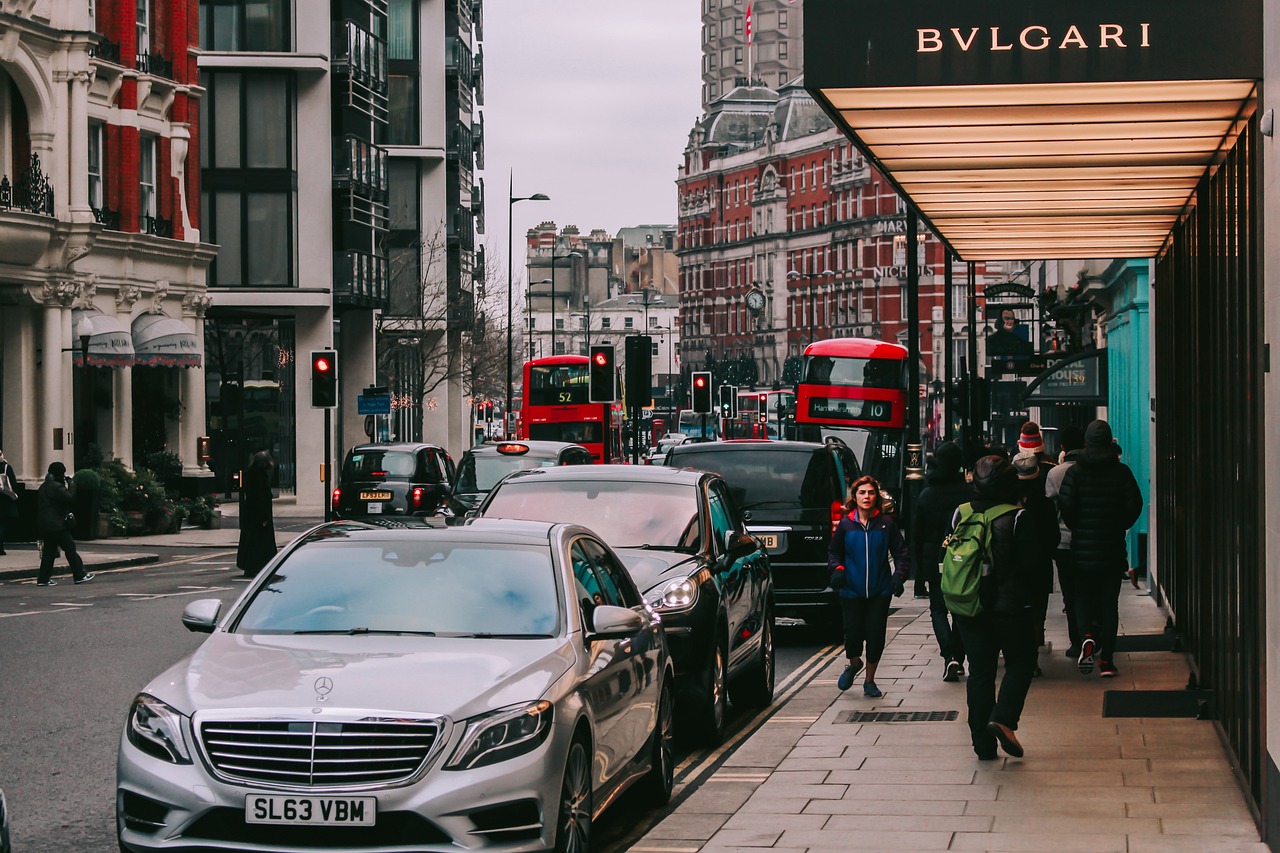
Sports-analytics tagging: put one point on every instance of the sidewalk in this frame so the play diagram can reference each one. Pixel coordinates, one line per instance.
(811, 779)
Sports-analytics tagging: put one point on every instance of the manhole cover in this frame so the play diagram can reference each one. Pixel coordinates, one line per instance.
(897, 716)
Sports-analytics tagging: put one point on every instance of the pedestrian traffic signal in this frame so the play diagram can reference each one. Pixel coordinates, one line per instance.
(324, 379)
(728, 396)
(601, 375)
(702, 392)
(488, 412)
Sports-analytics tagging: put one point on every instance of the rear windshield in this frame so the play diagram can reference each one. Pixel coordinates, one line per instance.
(481, 473)
(380, 465)
(767, 477)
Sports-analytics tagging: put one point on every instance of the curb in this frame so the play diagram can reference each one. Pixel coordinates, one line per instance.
(139, 560)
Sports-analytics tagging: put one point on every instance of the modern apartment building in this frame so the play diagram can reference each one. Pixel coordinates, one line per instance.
(102, 253)
(334, 160)
(773, 55)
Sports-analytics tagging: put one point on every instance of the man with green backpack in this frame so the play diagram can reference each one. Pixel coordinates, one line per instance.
(987, 587)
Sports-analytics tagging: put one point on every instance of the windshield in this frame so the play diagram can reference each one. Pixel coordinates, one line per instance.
(558, 385)
(785, 479)
(379, 465)
(481, 473)
(877, 451)
(445, 589)
(625, 514)
(582, 432)
(857, 372)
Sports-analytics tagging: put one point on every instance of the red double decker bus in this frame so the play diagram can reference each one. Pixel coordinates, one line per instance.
(555, 406)
(855, 390)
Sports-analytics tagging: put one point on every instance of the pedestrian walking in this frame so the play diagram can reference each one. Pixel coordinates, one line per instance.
(257, 527)
(945, 489)
(1031, 441)
(8, 498)
(1006, 623)
(1042, 515)
(858, 558)
(1071, 440)
(1099, 500)
(54, 521)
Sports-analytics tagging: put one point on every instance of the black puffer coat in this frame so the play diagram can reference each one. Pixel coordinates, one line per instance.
(53, 502)
(932, 519)
(1099, 500)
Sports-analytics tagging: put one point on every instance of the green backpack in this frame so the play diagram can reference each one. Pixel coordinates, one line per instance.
(965, 558)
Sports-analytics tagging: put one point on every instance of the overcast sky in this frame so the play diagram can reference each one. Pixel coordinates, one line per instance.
(591, 103)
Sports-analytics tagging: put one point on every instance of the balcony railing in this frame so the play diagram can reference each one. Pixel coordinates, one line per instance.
(361, 167)
(107, 218)
(30, 190)
(360, 280)
(156, 226)
(154, 64)
(361, 57)
(106, 50)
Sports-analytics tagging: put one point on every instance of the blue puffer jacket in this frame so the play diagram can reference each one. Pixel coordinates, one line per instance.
(859, 556)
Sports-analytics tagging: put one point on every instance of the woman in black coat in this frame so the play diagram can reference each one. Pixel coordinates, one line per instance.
(257, 528)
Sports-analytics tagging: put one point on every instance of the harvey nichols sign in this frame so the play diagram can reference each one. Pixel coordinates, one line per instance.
(1002, 42)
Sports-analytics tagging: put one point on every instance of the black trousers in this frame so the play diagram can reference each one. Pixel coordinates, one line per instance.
(1067, 583)
(986, 636)
(865, 621)
(50, 543)
(1098, 609)
(950, 644)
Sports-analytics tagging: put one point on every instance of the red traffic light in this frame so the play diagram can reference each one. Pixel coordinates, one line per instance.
(699, 382)
(601, 359)
(322, 365)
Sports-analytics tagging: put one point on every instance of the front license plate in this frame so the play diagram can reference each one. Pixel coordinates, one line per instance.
(375, 508)
(375, 496)
(768, 540)
(310, 811)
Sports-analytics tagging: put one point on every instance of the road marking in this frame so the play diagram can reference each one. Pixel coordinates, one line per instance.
(152, 596)
(71, 604)
(39, 612)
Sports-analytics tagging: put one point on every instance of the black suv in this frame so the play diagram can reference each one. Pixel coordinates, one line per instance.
(793, 494)
(393, 479)
(485, 464)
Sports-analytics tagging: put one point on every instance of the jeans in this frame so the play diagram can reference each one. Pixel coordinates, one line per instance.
(1098, 609)
(1067, 583)
(865, 621)
(950, 644)
(985, 637)
(51, 541)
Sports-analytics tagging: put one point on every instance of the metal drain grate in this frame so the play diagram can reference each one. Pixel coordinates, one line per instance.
(898, 717)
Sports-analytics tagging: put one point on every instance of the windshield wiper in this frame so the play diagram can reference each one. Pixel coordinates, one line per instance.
(362, 630)
(763, 503)
(486, 635)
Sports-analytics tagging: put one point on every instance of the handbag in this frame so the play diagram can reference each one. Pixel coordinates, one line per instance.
(6, 488)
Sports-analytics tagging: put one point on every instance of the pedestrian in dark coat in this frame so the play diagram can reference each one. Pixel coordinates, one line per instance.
(1041, 514)
(1072, 441)
(8, 505)
(54, 522)
(945, 490)
(858, 558)
(1099, 500)
(257, 528)
(1007, 623)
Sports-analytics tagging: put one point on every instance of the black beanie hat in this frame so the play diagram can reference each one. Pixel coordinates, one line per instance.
(57, 469)
(1097, 434)
(994, 477)
(948, 456)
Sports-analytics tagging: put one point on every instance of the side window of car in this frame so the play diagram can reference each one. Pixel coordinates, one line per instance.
(612, 574)
(588, 589)
(449, 469)
(721, 520)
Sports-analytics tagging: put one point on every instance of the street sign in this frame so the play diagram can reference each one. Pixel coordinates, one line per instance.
(373, 404)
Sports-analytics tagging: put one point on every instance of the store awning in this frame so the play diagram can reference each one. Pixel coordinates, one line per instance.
(110, 344)
(161, 341)
(1040, 130)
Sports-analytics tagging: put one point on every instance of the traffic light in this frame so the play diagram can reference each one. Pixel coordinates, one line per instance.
(324, 379)
(600, 375)
(488, 412)
(638, 351)
(702, 392)
(728, 401)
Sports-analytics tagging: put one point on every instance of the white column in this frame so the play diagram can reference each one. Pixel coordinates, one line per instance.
(51, 385)
(192, 425)
(122, 414)
(78, 138)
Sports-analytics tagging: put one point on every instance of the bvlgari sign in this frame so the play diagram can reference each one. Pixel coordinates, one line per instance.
(949, 43)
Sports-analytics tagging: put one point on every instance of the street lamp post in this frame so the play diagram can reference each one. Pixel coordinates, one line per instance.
(571, 255)
(809, 277)
(511, 203)
(646, 302)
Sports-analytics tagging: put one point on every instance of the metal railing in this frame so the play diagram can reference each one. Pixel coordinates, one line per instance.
(156, 226)
(154, 64)
(360, 278)
(106, 50)
(30, 190)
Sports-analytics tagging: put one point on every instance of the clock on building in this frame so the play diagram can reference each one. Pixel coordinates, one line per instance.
(755, 301)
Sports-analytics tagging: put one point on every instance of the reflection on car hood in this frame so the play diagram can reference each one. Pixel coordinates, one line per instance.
(650, 568)
(457, 677)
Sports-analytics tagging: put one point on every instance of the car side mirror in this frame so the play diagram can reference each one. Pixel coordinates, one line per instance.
(201, 617)
(739, 544)
(614, 623)
(472, 513)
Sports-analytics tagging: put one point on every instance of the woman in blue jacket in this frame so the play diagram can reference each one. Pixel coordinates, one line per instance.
(862, 576)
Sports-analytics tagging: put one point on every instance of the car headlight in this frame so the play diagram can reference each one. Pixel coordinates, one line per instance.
(502, 734)
(157, 730)
(679, 594)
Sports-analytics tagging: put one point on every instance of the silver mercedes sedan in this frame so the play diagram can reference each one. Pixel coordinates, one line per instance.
(494, 685)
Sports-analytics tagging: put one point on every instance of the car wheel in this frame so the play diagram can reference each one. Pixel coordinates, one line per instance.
(657, 784)
(713, 710)
(754, 688)
(573, 824)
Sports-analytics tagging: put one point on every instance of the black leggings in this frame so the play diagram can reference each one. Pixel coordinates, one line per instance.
(865, 621)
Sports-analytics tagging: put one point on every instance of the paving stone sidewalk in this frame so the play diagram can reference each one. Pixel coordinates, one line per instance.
(809, 779)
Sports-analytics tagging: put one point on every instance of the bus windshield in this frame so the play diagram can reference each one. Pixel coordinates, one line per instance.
(856, 372)
(558, 385)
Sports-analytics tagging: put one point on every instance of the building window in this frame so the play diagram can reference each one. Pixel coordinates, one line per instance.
(146, 183)
(582, 322)
(559, 323)
(559, 348)
(782, 19)
(737, 56)
(606, 322)
(245, 25)
(782, 50)
(629, 322)
(654, 349)
(653, 322)
(143, 27)
(96, 156)
(402, 74)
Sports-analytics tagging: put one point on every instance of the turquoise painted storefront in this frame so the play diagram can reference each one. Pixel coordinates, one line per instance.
(1128, 330)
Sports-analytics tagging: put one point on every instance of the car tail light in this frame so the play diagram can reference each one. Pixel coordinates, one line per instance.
(837, 513)
(418, 492)
(337, 496)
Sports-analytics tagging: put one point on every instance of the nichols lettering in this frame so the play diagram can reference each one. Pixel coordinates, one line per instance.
(1034, 37)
